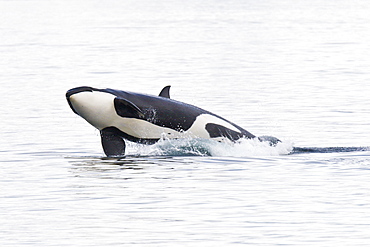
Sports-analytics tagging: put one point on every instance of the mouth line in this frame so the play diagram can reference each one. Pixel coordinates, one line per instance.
(70, 105)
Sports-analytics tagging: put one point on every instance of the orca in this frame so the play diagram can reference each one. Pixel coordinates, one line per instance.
(142, 118)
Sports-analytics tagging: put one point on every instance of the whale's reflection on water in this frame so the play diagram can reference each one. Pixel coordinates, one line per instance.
(132, 166)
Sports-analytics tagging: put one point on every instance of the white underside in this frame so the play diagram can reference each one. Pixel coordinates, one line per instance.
(145, 130)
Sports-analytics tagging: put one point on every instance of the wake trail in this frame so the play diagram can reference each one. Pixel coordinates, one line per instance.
(297, 150)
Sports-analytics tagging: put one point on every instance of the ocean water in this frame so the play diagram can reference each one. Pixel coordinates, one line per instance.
(297, 70)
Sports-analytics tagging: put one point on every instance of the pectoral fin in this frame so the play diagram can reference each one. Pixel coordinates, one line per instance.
(165, 92)
(113, 144)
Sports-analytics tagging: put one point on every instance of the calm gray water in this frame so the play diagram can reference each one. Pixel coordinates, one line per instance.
(297, 70)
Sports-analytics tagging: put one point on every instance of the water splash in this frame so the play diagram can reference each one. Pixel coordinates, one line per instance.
(206, 147)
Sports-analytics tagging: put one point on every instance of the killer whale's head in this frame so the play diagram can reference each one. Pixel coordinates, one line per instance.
(102, 108)
(96, 106)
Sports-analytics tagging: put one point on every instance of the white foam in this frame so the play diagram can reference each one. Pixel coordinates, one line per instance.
(251, 147)
(206, 147)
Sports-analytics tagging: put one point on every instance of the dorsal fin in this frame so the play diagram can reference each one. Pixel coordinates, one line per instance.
(165, 92)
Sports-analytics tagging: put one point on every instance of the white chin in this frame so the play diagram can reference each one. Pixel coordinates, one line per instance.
(97, 108)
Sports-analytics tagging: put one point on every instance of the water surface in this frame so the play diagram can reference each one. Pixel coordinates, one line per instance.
(296, 70)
